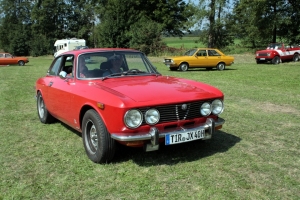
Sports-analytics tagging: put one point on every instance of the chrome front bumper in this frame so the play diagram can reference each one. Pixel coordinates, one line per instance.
(153, 135)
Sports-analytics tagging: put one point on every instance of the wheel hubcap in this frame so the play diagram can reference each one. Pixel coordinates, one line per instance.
(92, 136)
(41, 108)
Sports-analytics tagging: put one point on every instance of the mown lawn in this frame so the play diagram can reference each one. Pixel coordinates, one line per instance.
(254, 156)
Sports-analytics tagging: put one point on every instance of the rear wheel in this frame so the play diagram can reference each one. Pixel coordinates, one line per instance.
(184, 67)
(43, 113)
(221, 66)
(98, 144)
(296, 58)
(21, 63)
(276, 60)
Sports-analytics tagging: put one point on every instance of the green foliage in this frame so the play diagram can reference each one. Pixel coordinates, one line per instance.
(146, 36)
(139, 24)
(40, 46)
(259, 22)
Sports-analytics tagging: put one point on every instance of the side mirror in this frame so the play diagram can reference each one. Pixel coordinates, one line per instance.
(63, 74)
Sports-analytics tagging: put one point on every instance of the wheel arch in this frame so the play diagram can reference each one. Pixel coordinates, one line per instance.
(184, 62)
(83, 110)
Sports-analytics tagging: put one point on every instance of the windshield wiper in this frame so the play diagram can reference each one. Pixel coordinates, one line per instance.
(111, 75)
(129, 72)
(134, 71)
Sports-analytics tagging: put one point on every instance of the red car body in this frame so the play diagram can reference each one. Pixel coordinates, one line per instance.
(8, 59)
(109, 108)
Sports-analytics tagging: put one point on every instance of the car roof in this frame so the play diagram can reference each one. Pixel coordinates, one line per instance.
(203, 48)
(91, 50)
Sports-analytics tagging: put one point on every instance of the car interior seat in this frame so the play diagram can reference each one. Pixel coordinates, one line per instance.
(104, 66)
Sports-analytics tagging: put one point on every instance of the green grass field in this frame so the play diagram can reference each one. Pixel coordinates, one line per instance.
(254, 156)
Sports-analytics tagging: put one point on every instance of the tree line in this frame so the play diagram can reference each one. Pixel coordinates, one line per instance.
(30, 27)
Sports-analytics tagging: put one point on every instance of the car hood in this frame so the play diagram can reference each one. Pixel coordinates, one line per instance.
(159, 89)
(179, 57)
(266, 50)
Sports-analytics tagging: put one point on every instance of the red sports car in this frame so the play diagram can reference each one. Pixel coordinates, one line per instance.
(117, 95)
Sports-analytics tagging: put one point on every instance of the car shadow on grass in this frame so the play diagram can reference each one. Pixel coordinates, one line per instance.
(204, 70)
(173, 154)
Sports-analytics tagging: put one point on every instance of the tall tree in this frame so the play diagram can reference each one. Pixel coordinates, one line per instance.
(16, 19)
(118, 19)
(258, 22)
(212, 16)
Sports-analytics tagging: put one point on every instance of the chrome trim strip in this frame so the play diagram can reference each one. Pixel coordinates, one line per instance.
(209, 125)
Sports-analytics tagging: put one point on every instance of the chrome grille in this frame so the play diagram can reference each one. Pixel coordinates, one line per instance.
(262, 54)
(174, 112)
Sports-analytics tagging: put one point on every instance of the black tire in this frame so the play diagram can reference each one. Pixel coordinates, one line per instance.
(21, 63)
(98, 144)
(183, 67)
(276, 60)
(296, 58)
(221, 66)
(173, 68)
(44, 115)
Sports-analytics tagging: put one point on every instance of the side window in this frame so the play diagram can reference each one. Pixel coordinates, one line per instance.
(201, 53)
(213, 53)
(55, 67)
(67, 65)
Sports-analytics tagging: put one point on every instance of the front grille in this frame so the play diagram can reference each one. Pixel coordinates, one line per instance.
(262, 54)
(174, 112)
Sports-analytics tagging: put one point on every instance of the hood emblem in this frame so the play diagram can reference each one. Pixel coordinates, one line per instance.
(184, 106)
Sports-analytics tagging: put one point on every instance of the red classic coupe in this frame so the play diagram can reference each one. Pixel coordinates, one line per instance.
(8, 59)
(117, 95)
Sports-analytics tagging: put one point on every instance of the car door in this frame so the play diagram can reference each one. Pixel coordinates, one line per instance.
(213, 57)
(59, 91)
(199, 59)
(6, 59)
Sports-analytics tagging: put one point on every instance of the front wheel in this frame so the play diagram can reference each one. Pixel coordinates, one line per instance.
(44, 115)
(296, 58)
(183, 67)
(98, 144)
(21, 63)
(276, 60)
(221, 66)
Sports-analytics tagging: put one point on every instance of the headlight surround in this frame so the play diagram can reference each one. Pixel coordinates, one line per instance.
(152, 116)
(217, 107)
(133, 118)
(205, 109)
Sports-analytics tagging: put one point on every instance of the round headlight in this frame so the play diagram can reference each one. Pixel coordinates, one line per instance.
(217, 107)
(205, 109)
(152, 116)
(133, 118)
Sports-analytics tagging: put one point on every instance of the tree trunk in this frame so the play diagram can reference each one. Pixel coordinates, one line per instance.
(211, 37)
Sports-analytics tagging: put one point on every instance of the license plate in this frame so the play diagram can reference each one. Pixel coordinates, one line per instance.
(168, 65)
(186, 136)
(262, 59)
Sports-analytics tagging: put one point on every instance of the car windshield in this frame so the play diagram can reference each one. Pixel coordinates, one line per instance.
(274, 46)
(113, 64)
(190, 52)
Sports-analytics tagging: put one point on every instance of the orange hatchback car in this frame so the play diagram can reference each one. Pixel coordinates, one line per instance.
(8, 59)
(199, 58)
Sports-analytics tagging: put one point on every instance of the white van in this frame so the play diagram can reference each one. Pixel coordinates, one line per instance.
(67, 45)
